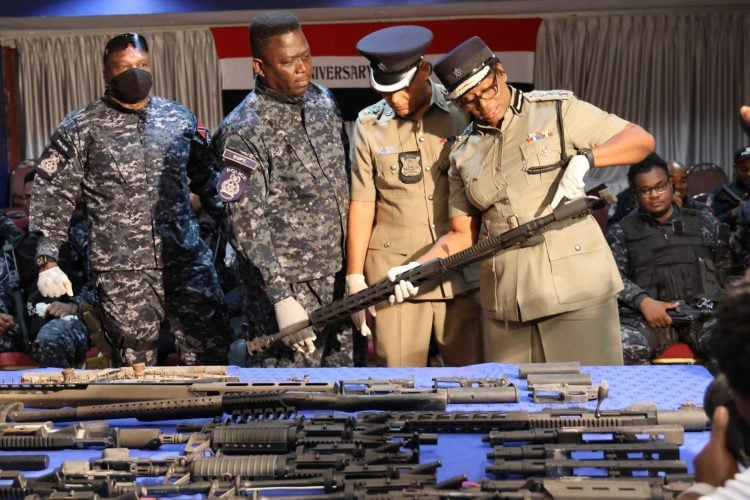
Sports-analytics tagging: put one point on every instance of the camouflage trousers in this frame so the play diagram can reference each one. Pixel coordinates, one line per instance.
(61, 343)
(334, 345)
(641, 343)
(133, 304)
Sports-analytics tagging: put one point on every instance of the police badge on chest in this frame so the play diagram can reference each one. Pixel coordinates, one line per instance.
(410, 170)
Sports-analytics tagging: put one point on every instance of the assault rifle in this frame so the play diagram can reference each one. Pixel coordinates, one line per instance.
(603, 451)
(138, 372)
(690, 418)
(685, 313)
(673, 434)
(572, 488)
(52, 395)
(568, 467)
(14, 285)
(61, 395)
(378, 292)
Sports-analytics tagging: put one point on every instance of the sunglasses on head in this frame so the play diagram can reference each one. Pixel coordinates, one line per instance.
(122, 42)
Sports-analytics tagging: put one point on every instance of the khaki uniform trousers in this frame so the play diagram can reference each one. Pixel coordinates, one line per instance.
(590, 335)
(403, 331)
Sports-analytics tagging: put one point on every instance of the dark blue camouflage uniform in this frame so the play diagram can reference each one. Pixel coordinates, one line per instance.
(134, 171)
(285, 189)
(640, 341)
(63, 342)
(722, 203)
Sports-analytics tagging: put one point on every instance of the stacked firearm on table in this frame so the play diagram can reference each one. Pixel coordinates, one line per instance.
(265, 444)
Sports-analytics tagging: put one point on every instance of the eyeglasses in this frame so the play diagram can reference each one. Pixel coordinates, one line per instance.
(656, 189)
(121, 42)
(486, 94)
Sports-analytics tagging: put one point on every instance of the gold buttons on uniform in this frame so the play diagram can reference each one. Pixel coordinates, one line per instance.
(428, 168)
(387, 244)
(429, 197)
(393, 167)
(421, 139)
(578, 248)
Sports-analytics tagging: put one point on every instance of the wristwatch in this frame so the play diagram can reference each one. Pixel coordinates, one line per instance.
(588, 154)
(44, 259)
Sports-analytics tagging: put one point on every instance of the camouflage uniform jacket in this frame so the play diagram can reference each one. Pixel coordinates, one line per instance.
(134, 170)
(284, 185)
(713, 233)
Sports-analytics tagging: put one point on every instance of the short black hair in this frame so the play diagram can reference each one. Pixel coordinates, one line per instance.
(729, 343)
(122, 42)
(269, 24)
(646, 165)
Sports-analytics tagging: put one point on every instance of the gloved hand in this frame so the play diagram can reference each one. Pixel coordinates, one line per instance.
(571, 185)
(402, 289)
(290, 313)
(356, 283)
(53, 282)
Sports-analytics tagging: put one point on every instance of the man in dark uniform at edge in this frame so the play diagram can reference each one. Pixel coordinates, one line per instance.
(283, 160)
(135, 158)
(727, 200)
(666, 255)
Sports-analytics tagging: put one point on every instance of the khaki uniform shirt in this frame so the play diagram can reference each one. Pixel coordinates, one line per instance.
(402, 166)
(573, 267)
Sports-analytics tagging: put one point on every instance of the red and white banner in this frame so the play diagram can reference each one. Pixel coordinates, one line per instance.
(337, 64)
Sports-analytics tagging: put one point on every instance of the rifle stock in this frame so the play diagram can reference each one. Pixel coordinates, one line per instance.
(378, 292)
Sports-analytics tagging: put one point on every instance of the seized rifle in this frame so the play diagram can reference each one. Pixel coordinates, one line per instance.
(568, 467)
(558, 378)
(14, 284)
(605, 451)
(60, 395)
(138, 372)
(45, 436)
(245, 405)
(458, 390)
(673, 434)
(690, 418)
(342, 309)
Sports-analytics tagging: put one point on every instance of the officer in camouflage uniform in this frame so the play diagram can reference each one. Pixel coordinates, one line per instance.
(665, 254)
(554, 298)
(135, 158)
(284, 185)
(399, 203)
(726, 201)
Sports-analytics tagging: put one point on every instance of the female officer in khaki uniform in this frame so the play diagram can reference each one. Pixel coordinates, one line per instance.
(399, 203)
(554, 301)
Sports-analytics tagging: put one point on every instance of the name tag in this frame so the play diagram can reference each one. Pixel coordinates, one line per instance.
(389, 150)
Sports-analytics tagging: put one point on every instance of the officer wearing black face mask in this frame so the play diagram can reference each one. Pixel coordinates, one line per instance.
(134, 158)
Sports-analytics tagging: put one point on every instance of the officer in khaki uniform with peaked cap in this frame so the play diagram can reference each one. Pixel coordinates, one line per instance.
(399, 203)
(524, 154)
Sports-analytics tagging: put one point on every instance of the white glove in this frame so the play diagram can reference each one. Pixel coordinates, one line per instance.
(356, 283)
(402, 289)
(53, 282)
(571, 184)
(290, 313)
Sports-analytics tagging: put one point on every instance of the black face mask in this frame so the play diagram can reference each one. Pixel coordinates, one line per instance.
(130, 86)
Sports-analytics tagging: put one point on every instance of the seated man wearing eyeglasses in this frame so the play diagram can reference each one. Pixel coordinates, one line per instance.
(668, 256)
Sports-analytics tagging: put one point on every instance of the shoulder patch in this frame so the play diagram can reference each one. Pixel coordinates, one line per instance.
(548, 95)
(240, 159)
(232, 183)
(50, 163)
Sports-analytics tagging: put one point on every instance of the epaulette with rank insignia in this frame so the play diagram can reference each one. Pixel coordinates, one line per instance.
(372, 112)
(548, 95)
